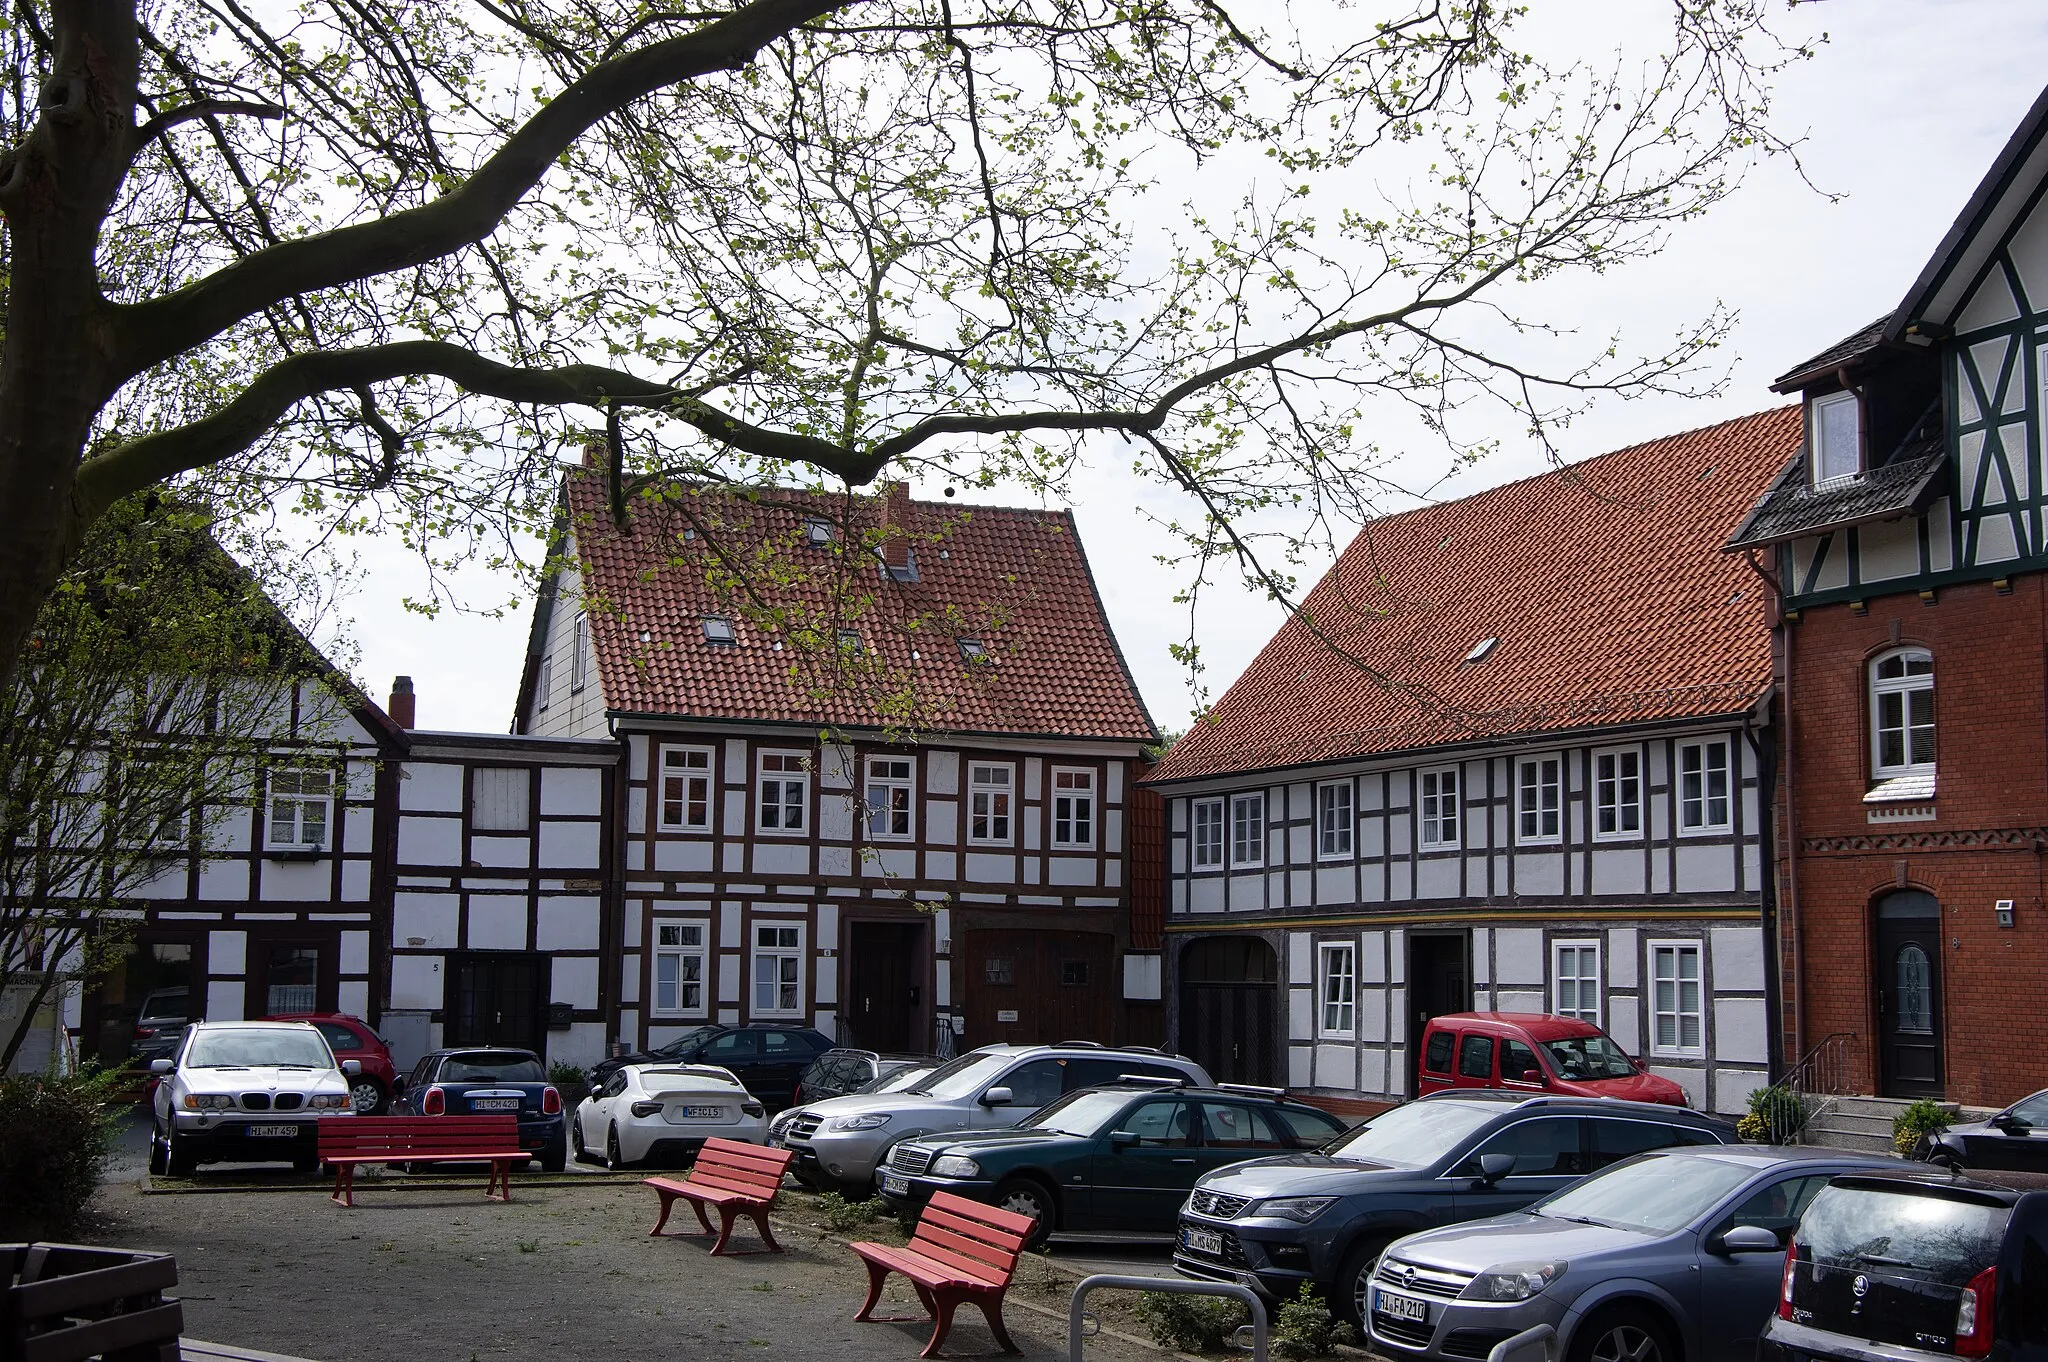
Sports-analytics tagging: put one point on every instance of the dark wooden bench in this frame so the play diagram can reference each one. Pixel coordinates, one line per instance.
(738, 1178)
(963, 1251)
(346, 1141)
(65, 1302)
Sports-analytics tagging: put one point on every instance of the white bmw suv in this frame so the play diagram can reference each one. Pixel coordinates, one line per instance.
(250, 1092)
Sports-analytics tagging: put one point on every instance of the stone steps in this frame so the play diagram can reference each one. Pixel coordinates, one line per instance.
(1865, 1123)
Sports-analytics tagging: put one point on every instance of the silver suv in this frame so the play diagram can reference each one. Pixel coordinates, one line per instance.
(840, 1142)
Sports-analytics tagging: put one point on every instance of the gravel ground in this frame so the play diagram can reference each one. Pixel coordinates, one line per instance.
(566, 1270)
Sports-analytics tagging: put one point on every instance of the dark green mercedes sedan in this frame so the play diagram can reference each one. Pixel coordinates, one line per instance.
(1120, 1158)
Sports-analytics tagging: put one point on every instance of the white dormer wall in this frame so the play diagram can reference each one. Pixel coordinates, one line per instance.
(559, 708)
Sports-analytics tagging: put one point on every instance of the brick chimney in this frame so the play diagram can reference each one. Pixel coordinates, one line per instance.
(595, 454)
(896, 525)
(401, 707)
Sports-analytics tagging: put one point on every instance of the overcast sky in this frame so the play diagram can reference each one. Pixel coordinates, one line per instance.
(1904, 109)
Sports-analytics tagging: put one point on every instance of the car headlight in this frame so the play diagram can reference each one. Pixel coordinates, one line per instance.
(208, 1101)
(328, 1101)
(859, 1122)
(1512, 1281)
(955, 1166)
(1302, 1208)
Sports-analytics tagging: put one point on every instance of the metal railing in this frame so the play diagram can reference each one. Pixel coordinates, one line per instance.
(1078, 1318)
(1540, 1338)
(1810, 1088)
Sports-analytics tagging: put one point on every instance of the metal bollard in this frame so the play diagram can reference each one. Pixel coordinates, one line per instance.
(1076, 1316)
(1537, 1336)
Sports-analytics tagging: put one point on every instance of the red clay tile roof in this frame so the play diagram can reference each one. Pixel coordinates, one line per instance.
(1604, 584)
(1017, 580)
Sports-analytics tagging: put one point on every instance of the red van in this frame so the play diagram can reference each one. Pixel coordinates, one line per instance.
(1532, 1052)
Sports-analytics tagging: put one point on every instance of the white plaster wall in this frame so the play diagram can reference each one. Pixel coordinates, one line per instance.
(569, 846)
(416, 981)
(430, 787)
(566, 923)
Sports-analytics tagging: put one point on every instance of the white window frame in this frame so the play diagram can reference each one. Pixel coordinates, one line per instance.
(792, 770)
(579, 653)
(1579, 979)
(1702, 823)
(1621, 806)
(1523, 810)
(779, 950)
(1816, 422)
(1209, 812)
(1074, 808)
(991, 804)
(1440, 809)
(686, 774)
(545, 682)
(1337, 990)
(1240, 857)
(898, 793)
(300, 801)
(681, 951)
(1901, 686)
(1677, 950)
(1336, 820)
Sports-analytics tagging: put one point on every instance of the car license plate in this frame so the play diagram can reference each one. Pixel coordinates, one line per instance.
(895, 1184)
(494, 1104)
(272, 1132)
(704, 1113)
(1406, 1308)
(1202, 1241)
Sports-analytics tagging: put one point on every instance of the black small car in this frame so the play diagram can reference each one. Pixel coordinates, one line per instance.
(767, 1057)
(1901, 1267)
(481, 1080)
(2016, 1138)
(839, 1072)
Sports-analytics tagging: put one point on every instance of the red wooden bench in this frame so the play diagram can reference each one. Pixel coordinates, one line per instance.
(962, 1251)
(349, 1140)
(738, 1178)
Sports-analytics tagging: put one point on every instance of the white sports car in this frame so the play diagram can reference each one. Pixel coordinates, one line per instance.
(664, 1112)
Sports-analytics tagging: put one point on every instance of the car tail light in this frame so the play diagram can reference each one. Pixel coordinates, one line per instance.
(550, 1101)
(646, 1109)
(434, 1103)
(144, 1032)
(1785, 1283)
(1973, 1315)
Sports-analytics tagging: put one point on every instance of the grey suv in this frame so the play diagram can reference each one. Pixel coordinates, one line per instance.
(1272, 1224)
(840, 1142)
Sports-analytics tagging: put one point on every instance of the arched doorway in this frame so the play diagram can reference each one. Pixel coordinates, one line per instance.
(1230, 1009)
(1907, 972)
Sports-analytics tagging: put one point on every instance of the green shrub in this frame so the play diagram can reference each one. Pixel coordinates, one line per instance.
(1781, 1112)
(1191, 1324)
(55, 1139)
(1306, 1328)
(1924, 1117)
(571, 1080)
(844, 1216)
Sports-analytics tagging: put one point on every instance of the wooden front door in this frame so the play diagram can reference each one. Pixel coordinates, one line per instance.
(1039, 988)
(885, 987)
(1439, 982)
(497, 998)
(1230, 1009)
(1907, 973)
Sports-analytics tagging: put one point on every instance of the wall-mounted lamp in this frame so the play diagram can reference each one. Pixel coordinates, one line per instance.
(2004, 910)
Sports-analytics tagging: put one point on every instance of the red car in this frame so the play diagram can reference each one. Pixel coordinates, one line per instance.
(352, 1038)
(1533, 1052)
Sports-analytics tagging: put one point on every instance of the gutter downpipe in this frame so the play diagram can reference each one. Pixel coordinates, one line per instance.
(1788, 920)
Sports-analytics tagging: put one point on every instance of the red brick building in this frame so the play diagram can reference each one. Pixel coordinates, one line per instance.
(1907, 543)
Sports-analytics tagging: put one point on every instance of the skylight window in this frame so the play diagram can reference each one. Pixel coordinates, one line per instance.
(849, 641)
(817, 533)
(718, 632)
(1481, 649)
(973, 650)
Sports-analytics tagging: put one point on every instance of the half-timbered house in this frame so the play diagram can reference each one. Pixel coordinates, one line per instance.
(1507, 755)
(877, 764)
(1906, 537)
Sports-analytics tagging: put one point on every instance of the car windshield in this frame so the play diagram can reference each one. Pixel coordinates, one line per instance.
(281, 1048)
(1579, 1058)
(684, 1043)
(963, 1076)
(1079, 1113)
(492, 1069)
(896, 1080)
(1656, 1194)
(1921, 1233)
(1413, 1136)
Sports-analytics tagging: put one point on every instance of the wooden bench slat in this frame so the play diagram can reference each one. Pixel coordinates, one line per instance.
(962, 1251)
(488, 1138)
(941, 1237)
(993, 1236)
(736, 1178)
(959, 1264)
(63, 1295)
(981, 1213)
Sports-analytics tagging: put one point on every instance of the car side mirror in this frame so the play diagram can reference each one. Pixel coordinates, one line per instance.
(352, 1067)
(161, 1066)
(1122, 1139)
(398, 1087)
(1748, 1239)
(997, 1097)
(1532, 1075)
(1637, 1064)
(1494, 1167)
(2004, 1120)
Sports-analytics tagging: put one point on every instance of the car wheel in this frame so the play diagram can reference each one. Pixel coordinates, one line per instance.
(554, 1158)
(576, 1138)
(1624, 1334)
(179, 1158)
(1945, 1161)
(159, 1155)
(306, 1163)
(613, 1159)
(1028, 1197)
(1354, 1282)
(368, 1095)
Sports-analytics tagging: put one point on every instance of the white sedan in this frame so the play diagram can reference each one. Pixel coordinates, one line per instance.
(664, 1112)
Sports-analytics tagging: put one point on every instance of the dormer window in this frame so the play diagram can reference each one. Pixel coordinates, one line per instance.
(718, 632)
(1835, 428)
(817, 533)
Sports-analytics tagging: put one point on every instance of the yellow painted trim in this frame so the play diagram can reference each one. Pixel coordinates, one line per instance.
(1472, 917)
